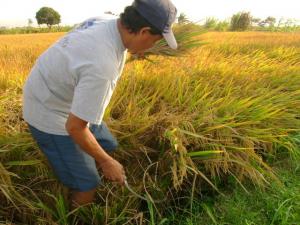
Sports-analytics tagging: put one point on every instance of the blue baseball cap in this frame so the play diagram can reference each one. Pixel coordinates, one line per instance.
(161, 14)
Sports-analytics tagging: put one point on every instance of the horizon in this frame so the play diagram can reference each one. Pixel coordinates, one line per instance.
(10, 16)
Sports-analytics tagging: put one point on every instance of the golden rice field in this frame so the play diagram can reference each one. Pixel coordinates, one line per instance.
(184, 124)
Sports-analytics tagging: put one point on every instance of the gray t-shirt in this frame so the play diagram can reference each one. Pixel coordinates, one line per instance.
(77, 74)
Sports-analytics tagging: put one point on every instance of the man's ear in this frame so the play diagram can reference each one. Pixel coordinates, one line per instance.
(145, 30)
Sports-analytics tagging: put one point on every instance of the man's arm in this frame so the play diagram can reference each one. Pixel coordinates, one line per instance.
(81, 134)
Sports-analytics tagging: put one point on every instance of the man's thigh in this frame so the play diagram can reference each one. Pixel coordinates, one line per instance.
(73, 166)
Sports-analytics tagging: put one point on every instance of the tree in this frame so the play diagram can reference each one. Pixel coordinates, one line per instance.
(30, 22)
(222, 26)
(47, 16)
(271, 21)
(241, 21)
(182, 18)
(255, 21)
(210, 23)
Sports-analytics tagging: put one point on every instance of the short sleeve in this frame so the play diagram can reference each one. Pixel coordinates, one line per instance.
(91, 96)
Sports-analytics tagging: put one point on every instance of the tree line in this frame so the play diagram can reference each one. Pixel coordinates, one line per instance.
(241, 21)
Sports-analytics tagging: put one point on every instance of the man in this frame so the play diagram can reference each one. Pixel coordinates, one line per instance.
(71, 84)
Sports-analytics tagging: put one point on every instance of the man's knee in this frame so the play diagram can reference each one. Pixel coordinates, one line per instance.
(79, 198)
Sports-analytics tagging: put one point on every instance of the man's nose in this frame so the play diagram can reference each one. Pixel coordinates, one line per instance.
(141, 54)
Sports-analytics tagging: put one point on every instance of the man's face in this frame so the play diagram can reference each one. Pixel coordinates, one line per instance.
(143, 40)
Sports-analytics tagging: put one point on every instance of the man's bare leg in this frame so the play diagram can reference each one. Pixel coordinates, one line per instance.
(82, 198)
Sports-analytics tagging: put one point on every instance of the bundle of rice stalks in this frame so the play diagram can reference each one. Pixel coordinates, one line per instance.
(187, 36)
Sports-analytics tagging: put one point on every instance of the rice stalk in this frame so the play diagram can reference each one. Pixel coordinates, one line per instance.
(186, 37)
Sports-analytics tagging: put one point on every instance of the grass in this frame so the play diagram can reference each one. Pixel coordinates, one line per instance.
(185, 125)
(277, 204)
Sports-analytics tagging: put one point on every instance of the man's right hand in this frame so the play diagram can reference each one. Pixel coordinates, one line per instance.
(113, 170)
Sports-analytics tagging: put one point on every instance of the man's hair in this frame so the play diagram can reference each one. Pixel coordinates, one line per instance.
(134, 22)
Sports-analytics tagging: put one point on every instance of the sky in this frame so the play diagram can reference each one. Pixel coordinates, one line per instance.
(17, 12)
